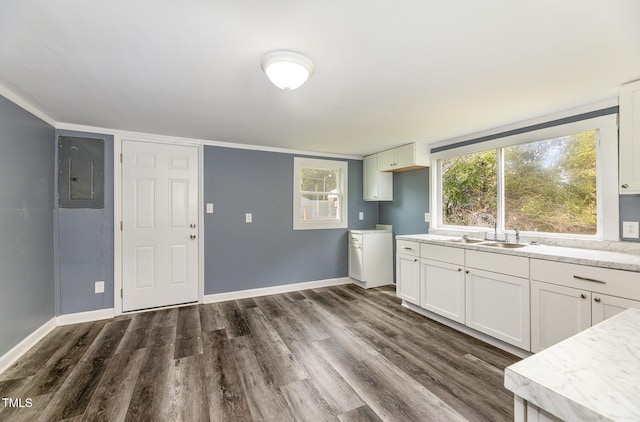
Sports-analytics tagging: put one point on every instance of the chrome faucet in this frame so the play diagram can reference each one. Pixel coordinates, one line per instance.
(491, 218)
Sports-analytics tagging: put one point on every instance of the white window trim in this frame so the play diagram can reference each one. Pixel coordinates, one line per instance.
(606, 170)
(342, 167)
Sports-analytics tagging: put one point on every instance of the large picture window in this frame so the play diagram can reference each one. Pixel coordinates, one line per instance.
(320, 194)
(551, 185)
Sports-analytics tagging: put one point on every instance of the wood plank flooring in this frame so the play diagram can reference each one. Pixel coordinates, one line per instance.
(332, 354)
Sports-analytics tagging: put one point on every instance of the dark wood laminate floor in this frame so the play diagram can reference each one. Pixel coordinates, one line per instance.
(339, 353)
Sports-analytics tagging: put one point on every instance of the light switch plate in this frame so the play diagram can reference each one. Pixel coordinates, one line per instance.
(209, 208)
(248, 218)
(427, 217)
(630, 229)
(361, 215)
(99, 287)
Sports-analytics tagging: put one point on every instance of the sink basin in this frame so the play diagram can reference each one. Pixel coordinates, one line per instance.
(505, 245)
(464, 240)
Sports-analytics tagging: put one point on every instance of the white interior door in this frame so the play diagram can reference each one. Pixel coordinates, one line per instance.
(159, 225)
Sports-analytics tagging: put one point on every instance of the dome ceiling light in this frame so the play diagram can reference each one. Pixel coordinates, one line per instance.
(287, 70)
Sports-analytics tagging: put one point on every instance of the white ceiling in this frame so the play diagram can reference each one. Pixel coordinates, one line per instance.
(387, 72)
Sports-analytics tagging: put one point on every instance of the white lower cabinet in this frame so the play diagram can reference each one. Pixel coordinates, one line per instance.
(604, 306)
(498, 305)
(569, 298)
(557, 313)
(442, 289)
(408, 272)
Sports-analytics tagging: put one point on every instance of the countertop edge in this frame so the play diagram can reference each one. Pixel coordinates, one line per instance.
(529, 251)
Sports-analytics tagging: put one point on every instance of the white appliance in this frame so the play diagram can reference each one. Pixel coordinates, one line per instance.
(371, 256)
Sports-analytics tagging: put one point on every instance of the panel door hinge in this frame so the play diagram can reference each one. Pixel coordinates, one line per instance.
(121, 157)
(120, 225)
(121, 294)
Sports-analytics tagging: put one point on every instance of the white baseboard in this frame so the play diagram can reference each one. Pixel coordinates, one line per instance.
(470, 331)
(274, 290)
(21, 348)
(88, 316)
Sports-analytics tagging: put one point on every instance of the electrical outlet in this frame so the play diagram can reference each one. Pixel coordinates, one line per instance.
(630, 229)
(361, 215)
(248, 218)
(427, 217)
(99, 287)
(209, 208)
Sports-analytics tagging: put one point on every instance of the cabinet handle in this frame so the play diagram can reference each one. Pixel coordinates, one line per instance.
(625, 185)
(415, 260)
(596, 299)
(577, 277)
(583, 296)
(459, 269)
(192, 237)
(407, 248)
(467, 272)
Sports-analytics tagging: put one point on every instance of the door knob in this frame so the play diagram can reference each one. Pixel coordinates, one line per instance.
(193, 236)
(193, 226)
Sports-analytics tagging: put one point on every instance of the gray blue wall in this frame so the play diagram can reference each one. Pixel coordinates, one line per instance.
(629, 211)
(410, 202)
(84, 245)
(26, 224)
(268, 252)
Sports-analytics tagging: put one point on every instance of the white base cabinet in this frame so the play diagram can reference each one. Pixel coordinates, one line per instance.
(442, 284)
(498, 305)
(408, 271)
(557, 313)
(569, 298)
(371, 257)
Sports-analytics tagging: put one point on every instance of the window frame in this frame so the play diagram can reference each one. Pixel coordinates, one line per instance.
(342, 167)
(606, 175)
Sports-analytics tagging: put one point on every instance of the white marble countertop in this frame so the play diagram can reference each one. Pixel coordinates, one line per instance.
(591, 257)
(358, 231)
(592, 376)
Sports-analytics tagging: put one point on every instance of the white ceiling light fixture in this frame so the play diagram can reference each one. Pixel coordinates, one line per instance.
(287, 70)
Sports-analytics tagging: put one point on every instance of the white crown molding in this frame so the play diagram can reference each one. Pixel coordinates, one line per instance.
(21, 102)
(150, 137)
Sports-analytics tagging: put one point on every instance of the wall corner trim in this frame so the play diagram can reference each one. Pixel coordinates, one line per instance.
(89, 316)
(21, 348)
(284, 288)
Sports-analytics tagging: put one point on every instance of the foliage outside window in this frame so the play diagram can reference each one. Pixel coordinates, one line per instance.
(543, 186)
(320, 199)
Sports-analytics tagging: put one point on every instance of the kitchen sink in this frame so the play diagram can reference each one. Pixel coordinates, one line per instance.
(464, 240)
(505, 245)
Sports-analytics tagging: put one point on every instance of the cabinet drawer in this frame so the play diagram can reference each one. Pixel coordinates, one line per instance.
(442, 253)
(602, 280)
(355, 238)
(517, 266)
(406, 247)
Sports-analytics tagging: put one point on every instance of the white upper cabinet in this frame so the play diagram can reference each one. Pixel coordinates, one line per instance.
(406, 157)
(377, 185)
(630, 138)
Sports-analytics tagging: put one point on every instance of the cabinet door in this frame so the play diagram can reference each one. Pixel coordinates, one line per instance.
(408, 278)
(557, 313)
(603, 306)
(386, 160)
(355, 261)
(498, 305)
(377, 185)
(442, 289)
(630, 138)
(405, 156)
